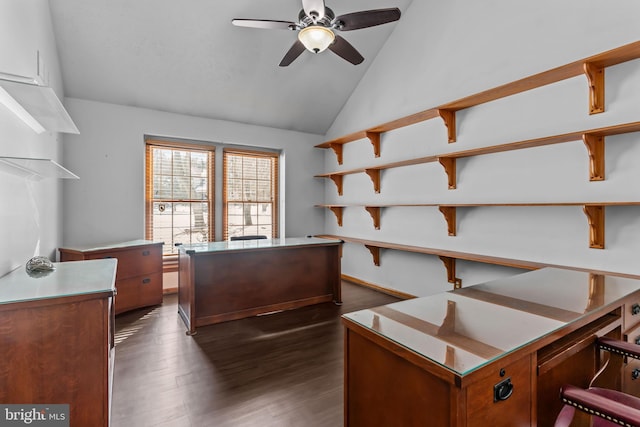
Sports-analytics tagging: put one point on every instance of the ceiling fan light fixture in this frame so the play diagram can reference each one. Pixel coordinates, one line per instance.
(316, 38)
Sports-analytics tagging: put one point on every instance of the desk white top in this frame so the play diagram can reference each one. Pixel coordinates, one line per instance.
(238, 245)
(110, 246)
(68, 279)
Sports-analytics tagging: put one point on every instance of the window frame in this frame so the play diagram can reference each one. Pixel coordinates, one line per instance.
(170, 261)
(275, 187)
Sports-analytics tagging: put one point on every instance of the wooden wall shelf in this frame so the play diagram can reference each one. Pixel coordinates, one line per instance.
(593, 139)
(594, 211)
(592, 67)
(449, 258)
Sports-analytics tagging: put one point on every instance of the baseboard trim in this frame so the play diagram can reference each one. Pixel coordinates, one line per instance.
(378, 288)
(167, 291)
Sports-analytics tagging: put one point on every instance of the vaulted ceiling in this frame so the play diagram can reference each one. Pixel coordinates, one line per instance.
(186, 57)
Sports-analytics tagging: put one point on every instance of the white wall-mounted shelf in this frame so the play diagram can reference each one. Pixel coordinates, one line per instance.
(35, 103)
(35, 168)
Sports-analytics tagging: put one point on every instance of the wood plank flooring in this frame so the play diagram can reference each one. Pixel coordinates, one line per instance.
(280, 370)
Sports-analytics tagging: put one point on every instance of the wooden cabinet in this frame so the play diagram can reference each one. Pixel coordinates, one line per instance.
(56, 339)
(494, 354)
(139, 274)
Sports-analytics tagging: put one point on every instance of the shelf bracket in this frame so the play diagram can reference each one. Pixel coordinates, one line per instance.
(595, 216)
(449, 165)
(449, 213)
(337, 210)
(595, 149)
(375, 253)
(337, 179)
(337, 148)
(374, 174)
(374, 137)
(449, 117)
(595, 77)
(374, 211)
(450, 265)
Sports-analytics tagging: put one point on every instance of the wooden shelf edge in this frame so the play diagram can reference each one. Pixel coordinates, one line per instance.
(507, 262)
(594, 140)
(485, 259)
(594, 211)
(589, 66)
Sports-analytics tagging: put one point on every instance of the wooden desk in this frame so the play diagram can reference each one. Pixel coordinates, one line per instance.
(220, 281)
(444, 360)
(56, 339)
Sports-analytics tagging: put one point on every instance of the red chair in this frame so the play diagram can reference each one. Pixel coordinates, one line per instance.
(599, 406)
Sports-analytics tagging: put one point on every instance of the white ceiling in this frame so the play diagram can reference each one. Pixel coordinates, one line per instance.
(186, 57)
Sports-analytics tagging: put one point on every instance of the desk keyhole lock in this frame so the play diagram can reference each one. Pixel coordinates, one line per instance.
(503, 390)
(635, 309)
(635, 374)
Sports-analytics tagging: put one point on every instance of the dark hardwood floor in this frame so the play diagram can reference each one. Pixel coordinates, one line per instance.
(283, 369)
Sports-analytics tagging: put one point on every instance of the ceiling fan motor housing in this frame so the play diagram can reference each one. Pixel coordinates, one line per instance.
(326, 20)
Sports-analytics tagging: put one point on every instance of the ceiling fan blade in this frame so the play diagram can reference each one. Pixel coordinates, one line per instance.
(366, 18)
(293, 53)
(314, 9)
(346, 51)
(266, 24)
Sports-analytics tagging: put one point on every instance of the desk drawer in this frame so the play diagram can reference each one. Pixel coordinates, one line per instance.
(633, 335)
(139, 291)
(631, 314)
(631, 369)
(631, 377)
(134, 261)
(483, 407)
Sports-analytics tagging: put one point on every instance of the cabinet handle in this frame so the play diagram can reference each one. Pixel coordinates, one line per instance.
(146, 253)
(635, 374)
(106, 257)
(635, 309)
(146, 280)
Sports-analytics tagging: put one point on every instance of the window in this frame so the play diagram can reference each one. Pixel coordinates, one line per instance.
(179, 193)
(250, 202)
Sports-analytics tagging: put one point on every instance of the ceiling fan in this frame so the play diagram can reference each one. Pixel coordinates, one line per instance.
(316, 25)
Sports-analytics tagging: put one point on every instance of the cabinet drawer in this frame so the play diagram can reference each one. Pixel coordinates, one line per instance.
(631, 369)
(135, 261)
(631, 377)
(139, 291)
(632, 314)
(633, 335)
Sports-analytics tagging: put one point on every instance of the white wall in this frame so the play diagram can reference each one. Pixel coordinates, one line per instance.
(30, 211)
(107, 203)
(443, 51)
